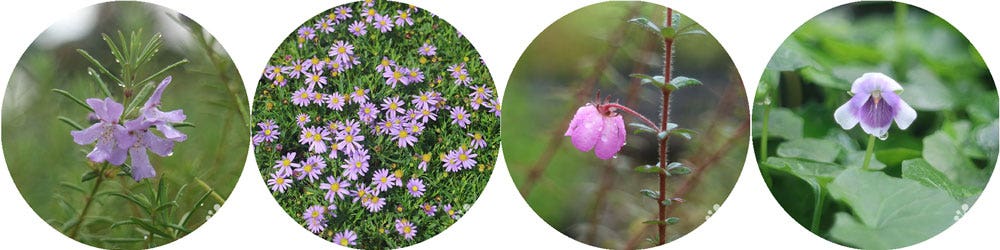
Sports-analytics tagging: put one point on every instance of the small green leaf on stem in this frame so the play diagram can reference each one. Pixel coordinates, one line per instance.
(100, 82)
(100, 67)
(71, 123)
(683, 132)
(649, 169)
(71, 97)
(666, 202)
(662, 135)
(89, 176)
(647, 24)
(668, 33)
(184, 124)
(682, 81)
(677, 168)
(650, 193)
(642, 127)
(673, 220)
(657, 81)
(693, 32)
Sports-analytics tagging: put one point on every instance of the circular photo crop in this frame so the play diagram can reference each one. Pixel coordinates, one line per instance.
(875, 125)
(632, 127)
(377, 125)
(125, 126)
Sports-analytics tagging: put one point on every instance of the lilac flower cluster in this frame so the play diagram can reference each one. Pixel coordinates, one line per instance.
(117, 140)
(346, 120)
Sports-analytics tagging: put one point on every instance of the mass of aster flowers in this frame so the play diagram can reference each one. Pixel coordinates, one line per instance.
(377, 125)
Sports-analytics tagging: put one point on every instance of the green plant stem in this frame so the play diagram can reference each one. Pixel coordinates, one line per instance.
(817, 210)
(763, 141)
(869, 152)
(88, 201)
(665, 115)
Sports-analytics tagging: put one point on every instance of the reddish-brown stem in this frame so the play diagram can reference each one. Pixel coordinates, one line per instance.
(664, 117)
(633, 113)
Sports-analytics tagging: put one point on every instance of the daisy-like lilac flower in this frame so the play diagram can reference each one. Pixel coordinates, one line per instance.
(350, 127)
(342, 12)
(278, 183)
(450, 211)
(298, 69)
(361, 193)
(392, 105)
(382, 180)
(301, 119)
(314, 64)
(451, 163)
(414, 75)
(324, 25)
(494, 106)
(342, 51)
(414, 127)
(335, 188)
(384, 65)
(383, 23)
(367, 112)
(337, 67)
(307, 32)
(273, 71)
(374, 203)
(315, 219)
(302, 97)
(456, 70)
(424, 100)
(310, 168)
(477, 140)
(481, 91)
(105, 132)
(463, 78)
(317, 143)
(268, 132)
(406, 228)
(370, 14)
(385, 126)
(280, 80)
(415, 187)
(477, 102)
(403, 18)
(397, 76)
(345, 238)
(427, 50)
(286, 164)
(599, 128)
(399, 177)
(429, 209)
(460, 117)
(425, 159)
(465, 157)
(358, 28)
(359, 95)
(335, 101)
(315, 78)
(318, 98)
(875, 105)
(354, 167)
(403, 137)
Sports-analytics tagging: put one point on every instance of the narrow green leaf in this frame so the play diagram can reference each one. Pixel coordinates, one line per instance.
(650, 193)
(657, 81)
(70, 122)
(673, 220)
(178, 228)
(148, 226)
(140, 97)
(187, 216)
(99, 82)
(683, 81)
(164, 70)
(134, 200)
(642, 127)
(122, 240)
(184, 124)
(677, 168)
(666, 202)
(73, 98)
(165, 206)
(683, 132)
(646, 24)
(694, 32)
(649, 169)
(73, 187)
(88, 176)
(100, 67)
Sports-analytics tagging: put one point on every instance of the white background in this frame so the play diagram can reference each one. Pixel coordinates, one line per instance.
(501, 30)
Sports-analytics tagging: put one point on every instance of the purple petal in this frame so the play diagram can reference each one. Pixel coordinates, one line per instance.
(587, 130)
(154, 99)
(871, 82)
(114, 110)
(845, 113)
(876, 115)
(612, 138)
(171, 133)
(904, 113)
(160, 146)
(88, 135)
(141, 168)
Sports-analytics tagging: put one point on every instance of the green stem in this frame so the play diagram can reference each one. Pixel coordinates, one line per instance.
(817, 210)
(869, 152)
(763, 141)
(88, 201)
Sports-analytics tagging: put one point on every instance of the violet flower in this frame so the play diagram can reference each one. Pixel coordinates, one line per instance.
(105, 132)
(875, 105)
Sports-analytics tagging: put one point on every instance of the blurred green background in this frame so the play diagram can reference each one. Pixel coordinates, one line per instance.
(42, 157)
(598, 202)
(954, 137)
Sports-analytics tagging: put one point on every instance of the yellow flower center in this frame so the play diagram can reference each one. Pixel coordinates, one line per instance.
(396, 75)
(316, 60)
(286, 162)
(371, 12)
(477, 136)
(279, 78)
(280, 181)
(413, 74)
(360, 92)
(317, 137)
(463, 157)
(349, 138)
(426, 157)
(334, 186)
(460, 116)
(414, 188)
(343, 242)
(315, 78)
(357, 164)
(393, 106)
(402, 134)
(267, 132)
(403, 15)
(307, 168)
(305, 95)
(319, 96)
(368, 110)
(315, 214)
(406, 229)
(341, 50)
(461, 77)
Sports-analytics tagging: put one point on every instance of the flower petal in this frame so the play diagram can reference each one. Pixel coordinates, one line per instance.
(114, 110)
(172, 133)
(904, 113)
(87, 135)
(154, 99)
(612, 138)
(160, 146)
(141, 168)
(845, 113)
(587, 130)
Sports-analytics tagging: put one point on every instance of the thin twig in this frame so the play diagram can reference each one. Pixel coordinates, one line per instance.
(665, 117)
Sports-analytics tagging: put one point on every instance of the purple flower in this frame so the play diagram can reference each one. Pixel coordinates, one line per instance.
(307, 32)
(268, 132)
(318, 98)
(403, 17)
(494, 106)
(480, 91)
(403, 137)
(335, 188)
(369, 14)
(383, 23)
(151, 113)
(355, 167)
(424, 100)
(273, 71)
(343, 12)
(451, 163)
(465, 157)
(373, 203)
(414, 75)
(429, 209)
(359, 95)
(384, 65)
(424, 160)
(382, 180)
(450, 211)
(425, 113)
(137, 139)
(335, 101)
(286, 164)
(310, 168)
(406, 228)
(392, 77)
(279, 79)
(315, 64)
(460, 117)
(316, 137)
(345, 238)
(361, 194)
(278, 183)
(477, 102)
(302, 97)
(415, 187)
(315, 221)
(301, 119)
(875, 105)
(463, 78)
(477, 140)
(324, 25)
(315, 78)
(298, 69)
(593, 129)
(427, 50)
(342, 51)
(106, 132)
(456, 70)
(393, 105)
(358, 28)
(367, 112)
